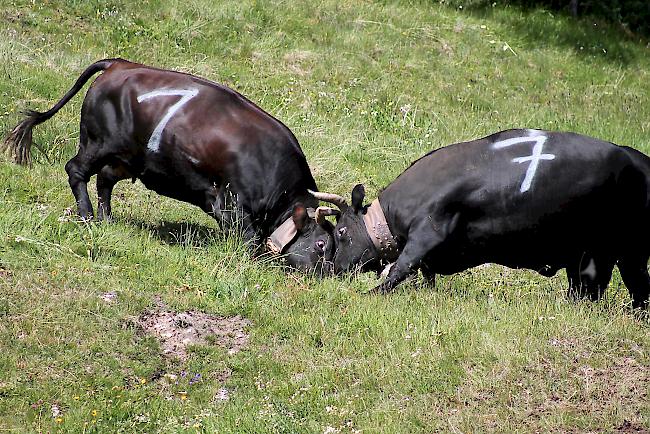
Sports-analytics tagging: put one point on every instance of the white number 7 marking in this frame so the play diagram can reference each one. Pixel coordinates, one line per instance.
(185, 94)
(533, 159)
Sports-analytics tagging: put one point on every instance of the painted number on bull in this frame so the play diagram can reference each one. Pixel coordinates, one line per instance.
(534, 159)
(185, 94)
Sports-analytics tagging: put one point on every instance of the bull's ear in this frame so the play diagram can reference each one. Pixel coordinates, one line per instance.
(358, 193)
(299, 216)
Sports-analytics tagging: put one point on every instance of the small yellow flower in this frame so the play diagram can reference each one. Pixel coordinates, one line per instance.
(94, 413)
(182, 395)
(196, 425)
(59, 420)
(76, 397)
(142, 380)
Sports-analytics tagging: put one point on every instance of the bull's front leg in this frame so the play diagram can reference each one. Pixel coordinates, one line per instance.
(233, 219)
(421, 242)
(428, 273)
(250, 235)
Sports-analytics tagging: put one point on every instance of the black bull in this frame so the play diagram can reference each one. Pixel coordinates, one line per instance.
(521, 198)
(196, 141)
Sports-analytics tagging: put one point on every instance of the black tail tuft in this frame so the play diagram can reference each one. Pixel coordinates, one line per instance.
(18, 142)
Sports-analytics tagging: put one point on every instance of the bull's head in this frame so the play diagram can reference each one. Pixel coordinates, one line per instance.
(307, 240)
(354, 248)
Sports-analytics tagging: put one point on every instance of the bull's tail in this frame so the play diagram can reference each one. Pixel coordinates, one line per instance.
(18, 142)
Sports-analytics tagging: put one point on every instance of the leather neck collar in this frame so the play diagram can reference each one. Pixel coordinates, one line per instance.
(284, 234)
(379, 231)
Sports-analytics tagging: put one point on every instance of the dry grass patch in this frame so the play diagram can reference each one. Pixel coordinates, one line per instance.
(298, 62)
(574, 385)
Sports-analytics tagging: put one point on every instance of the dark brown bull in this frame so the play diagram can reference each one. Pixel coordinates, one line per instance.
(196, 141)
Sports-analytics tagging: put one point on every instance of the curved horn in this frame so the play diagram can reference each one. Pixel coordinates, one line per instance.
(331, 198)
(322, 212)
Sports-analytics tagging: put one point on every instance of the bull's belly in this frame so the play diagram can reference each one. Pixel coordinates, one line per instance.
(184, 188)
(542, 252)
(547, 270)
(457, 263)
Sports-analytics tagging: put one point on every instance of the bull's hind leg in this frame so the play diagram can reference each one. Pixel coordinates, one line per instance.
(106, 180)
(589, 276)
(90, 158)
(78, 177)
(634, 271)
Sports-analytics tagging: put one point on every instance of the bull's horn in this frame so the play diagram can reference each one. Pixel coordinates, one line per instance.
(322, 212)
(331, 198)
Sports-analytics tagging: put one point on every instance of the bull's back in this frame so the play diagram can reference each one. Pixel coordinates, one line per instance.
(143, 95)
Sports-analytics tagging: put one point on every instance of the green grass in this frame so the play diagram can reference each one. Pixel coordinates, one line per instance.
(367, 87)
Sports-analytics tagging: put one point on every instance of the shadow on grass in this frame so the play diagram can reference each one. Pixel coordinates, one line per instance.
(181, 233)
(589, 37)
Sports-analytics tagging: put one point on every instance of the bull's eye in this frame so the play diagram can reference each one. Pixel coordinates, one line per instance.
(343, 231)
(320, 245)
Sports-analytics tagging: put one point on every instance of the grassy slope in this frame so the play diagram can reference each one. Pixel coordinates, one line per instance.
(367, 87)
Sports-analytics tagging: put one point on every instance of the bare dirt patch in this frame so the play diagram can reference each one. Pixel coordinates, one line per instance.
(13, 16)
(629, 427)
(177, 330)
(109, 297)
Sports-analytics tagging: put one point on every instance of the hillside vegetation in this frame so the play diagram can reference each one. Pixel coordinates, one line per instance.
(367, 87)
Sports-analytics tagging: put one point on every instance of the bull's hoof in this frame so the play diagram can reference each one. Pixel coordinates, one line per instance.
(104, 215)
(105, 218)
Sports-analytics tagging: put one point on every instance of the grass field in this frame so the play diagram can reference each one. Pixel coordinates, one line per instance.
(367, 87)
